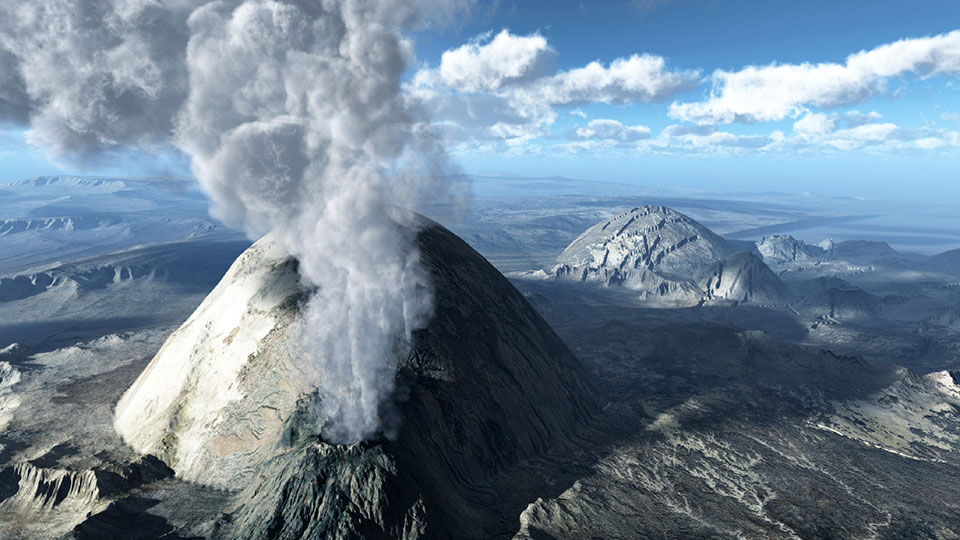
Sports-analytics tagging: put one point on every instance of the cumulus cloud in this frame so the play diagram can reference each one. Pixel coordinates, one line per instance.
(778, 91)
(292, 115)
(506, 88)
(489, 65)
(637, 78)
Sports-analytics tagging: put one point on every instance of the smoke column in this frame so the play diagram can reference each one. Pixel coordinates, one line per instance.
(293, 117)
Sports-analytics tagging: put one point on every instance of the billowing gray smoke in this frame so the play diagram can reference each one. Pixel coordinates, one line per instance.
(292, 115)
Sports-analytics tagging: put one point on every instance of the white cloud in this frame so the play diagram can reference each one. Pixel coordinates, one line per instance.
(775, 92)
(813, 124)
(606, 129)
(860, 136)
(504, 87)
(638, 78)
(501, 94)
(930, 143)
(507, 58)
(951, 117)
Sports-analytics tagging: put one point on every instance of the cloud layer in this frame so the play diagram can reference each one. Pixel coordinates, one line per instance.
(778, 91)
(506, 88)
(501, 93)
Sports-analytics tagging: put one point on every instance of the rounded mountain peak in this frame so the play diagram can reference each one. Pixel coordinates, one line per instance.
(643, 240)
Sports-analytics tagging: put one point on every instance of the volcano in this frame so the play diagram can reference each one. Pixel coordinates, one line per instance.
(487, 387)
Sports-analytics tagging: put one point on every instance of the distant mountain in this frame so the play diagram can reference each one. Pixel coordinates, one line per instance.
(782, 248)
(650, 248)
(947, 262)
(743, 277)
(488, 387)
(858, 250)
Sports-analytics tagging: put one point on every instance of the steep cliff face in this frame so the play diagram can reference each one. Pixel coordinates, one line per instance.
(487, 387)
(650, 248)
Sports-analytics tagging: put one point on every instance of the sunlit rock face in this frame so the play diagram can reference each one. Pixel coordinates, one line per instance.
(488, 385)
(782, 248)
(653, 249)
(743, 277)
(212, 402)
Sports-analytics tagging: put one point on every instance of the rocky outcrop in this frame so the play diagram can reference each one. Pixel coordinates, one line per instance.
(782, 248)
(9, 377)
(45, 489)
(40, 501)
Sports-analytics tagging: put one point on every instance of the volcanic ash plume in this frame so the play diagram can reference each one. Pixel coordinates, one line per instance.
(292, 115)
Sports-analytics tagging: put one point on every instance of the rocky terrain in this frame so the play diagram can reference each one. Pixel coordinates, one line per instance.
(797, 390)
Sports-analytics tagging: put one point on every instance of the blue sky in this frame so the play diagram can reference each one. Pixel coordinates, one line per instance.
(707, 94)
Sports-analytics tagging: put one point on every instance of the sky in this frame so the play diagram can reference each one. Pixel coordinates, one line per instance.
(848, 98)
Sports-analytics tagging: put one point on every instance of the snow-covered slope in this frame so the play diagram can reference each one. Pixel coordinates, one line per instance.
(650, 248)
(212, 402)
